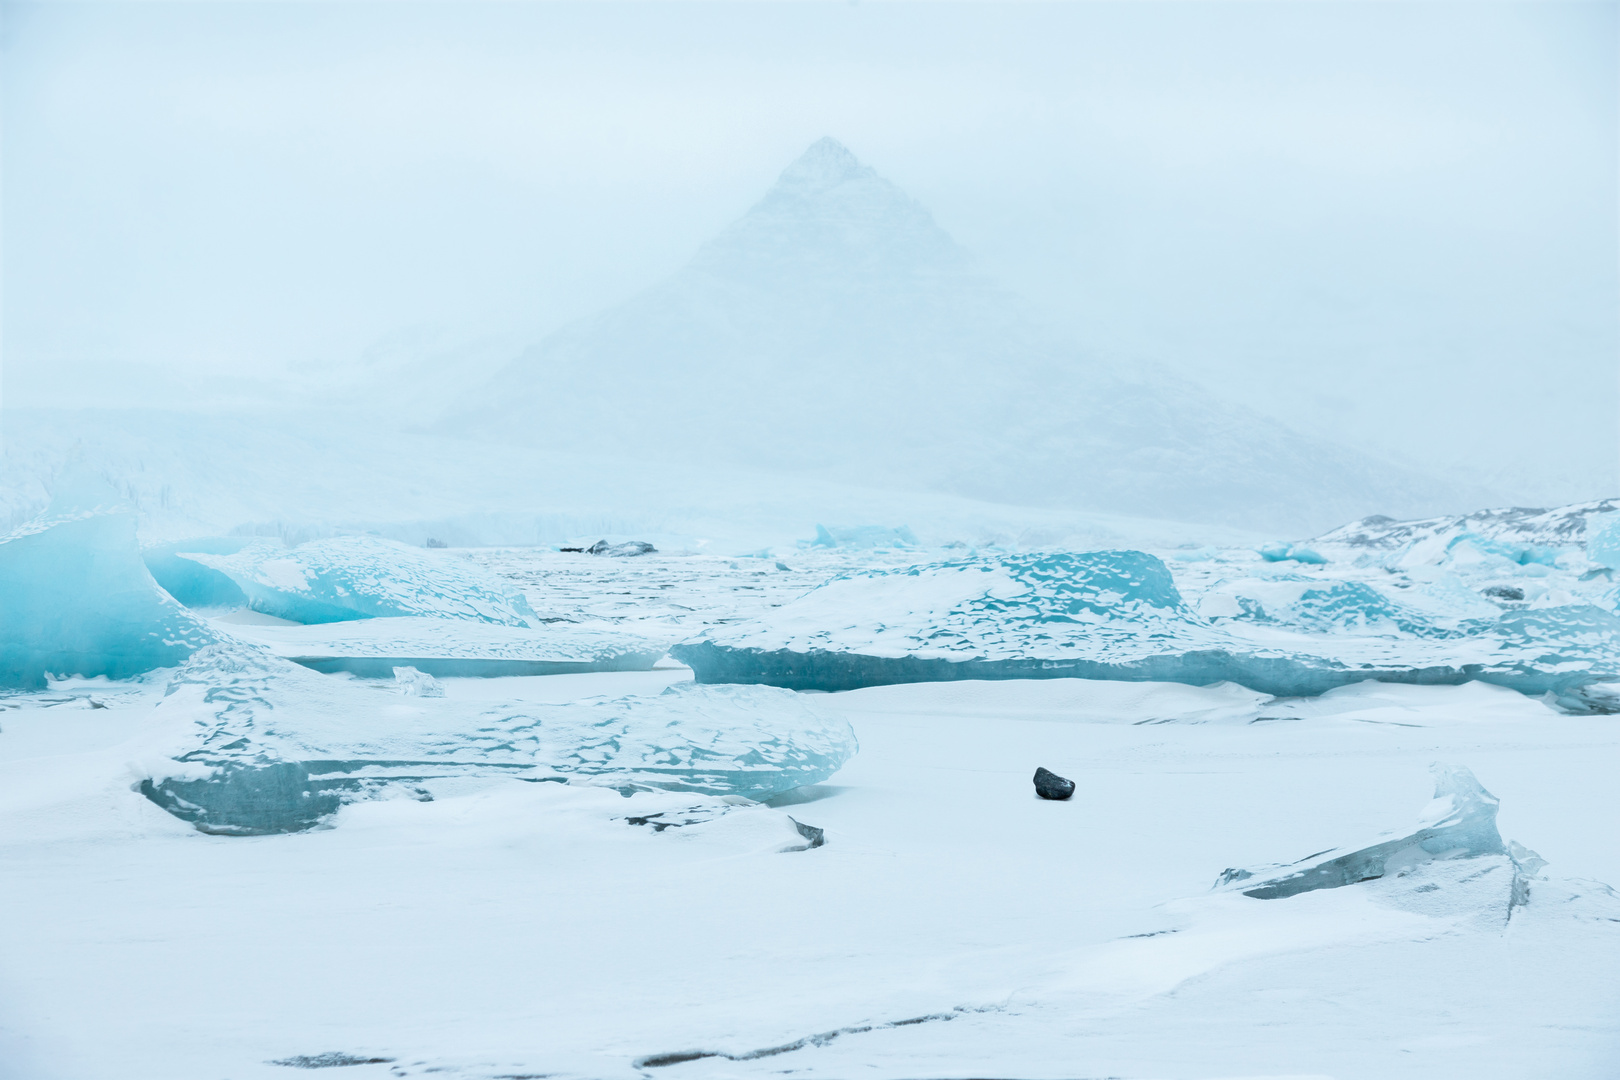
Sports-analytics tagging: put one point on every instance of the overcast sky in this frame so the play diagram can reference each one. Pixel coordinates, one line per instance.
(1392, 224)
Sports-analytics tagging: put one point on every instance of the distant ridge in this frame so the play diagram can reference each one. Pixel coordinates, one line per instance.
(836, 329)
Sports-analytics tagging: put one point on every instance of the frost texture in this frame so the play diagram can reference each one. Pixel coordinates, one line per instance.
(258, 745)
(76, 599)
(362, 577)
(1120, 615)
(372, 648)
(1459, 824)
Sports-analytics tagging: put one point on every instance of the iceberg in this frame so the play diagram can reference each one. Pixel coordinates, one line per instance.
(1603, 540)
(1459, 824)
(189, 581)
(361, 577)
(76, 599)
(1119, 615)
(245, 743)
(373, 648)
(864, 536)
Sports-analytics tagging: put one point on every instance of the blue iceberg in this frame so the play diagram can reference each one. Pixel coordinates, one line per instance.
(189, 581)
(246, 743)
(361, 577)
(1120, 615)
(76, 599)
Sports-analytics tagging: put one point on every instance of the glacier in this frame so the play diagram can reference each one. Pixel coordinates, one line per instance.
(342, 578)
(76, 599)
(1120, 615)
(189, 581)
(244, 743)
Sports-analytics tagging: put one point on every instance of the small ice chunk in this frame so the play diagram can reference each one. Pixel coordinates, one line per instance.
(1603, 540)
(413, 683)
(1459, 823)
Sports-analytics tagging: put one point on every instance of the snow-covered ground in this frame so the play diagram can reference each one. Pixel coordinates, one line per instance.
(952, 924)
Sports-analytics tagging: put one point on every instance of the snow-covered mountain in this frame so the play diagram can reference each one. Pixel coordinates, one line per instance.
(837, 329)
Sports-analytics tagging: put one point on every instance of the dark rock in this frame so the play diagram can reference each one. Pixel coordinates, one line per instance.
(1505, 592)
(1049, 785)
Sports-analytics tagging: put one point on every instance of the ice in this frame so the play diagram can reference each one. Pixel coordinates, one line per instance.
(1603, 540)
(864, 536)
(372, 648)
(1459, 824)
(1119, 615)
(245, 743)
(414, 683)
(76, 599)
(1281, 552)
(359, 577)
(189, 581)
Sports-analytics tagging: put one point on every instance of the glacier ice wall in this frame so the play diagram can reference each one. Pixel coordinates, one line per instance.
(1120, 615)
(245, 743)
(359, 577)
(76, 599)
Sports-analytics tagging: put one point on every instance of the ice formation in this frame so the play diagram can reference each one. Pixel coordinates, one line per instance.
(76, 599)
(359, 577)
(1603, 540)
(864, 536)
(1459, 824)
(372, 648)
(189, 581)
(1120, 615)
(245, 743)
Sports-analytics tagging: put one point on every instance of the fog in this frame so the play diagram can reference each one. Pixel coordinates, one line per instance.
(1390, 227)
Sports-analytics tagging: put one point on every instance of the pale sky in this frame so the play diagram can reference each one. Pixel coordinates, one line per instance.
(1391, 224)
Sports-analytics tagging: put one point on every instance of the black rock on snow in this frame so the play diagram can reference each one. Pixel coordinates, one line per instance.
(1049, 785)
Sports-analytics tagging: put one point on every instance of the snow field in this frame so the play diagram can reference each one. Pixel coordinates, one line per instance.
(513, 929)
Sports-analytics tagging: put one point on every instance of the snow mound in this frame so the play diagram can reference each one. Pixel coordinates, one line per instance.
(360, 577)
(245, 743)
(1120, 615)
(76, 599)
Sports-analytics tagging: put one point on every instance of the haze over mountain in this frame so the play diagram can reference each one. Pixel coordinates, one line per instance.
(836, 330)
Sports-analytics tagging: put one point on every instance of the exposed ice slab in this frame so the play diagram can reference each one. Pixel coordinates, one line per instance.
(372, 648)
(864, 536)
(1119, 615)
(358, 577)
(189, 581)
(245, 743)
(1460, 823)
(75, 599)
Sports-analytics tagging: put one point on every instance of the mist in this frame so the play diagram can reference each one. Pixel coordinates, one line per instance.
(1391, 227)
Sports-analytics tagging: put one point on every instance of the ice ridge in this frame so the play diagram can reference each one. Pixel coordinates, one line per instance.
(76, 599)
(245, 743)
(1120, 615)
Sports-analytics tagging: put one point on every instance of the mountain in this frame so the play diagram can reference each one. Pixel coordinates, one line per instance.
(837, 330)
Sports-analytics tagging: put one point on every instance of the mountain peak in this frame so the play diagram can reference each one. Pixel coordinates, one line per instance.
(827, 163)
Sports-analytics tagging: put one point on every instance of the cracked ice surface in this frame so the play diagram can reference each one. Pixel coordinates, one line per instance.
(357, 577)
(246, 743)
(1120, 615)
